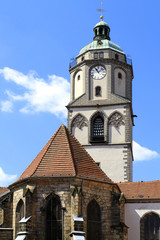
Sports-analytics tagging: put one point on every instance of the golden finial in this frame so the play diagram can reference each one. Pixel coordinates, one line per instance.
(101, 10)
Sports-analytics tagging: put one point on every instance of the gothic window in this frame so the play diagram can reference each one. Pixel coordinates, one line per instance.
(97, 129)
(96, 32)
(98, 91)
(79, 77)
(19, 214)
(93, 221)
(150, 227)
(54, 219)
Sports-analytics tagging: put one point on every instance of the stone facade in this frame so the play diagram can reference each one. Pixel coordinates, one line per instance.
(75, 194)
(6, 233)
(114, 160)
(115, 99)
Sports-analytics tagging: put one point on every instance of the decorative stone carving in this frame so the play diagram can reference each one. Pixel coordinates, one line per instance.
(116, 120)
(80, 122)
(75, 190)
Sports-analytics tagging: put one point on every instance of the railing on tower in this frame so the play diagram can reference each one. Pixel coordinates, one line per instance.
(128, 59)
(72, 63)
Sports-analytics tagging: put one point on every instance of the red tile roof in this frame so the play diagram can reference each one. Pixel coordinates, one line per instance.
(3, 190)
(141, 190)
(64, 156)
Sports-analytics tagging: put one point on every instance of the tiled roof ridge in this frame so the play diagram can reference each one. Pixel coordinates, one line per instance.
(141, 190)
(80, 146)
(71, 151)
(139, 182)
(39, 161)
(50, 142)
(64, 156)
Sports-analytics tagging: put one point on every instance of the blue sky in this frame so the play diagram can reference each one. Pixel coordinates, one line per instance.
(38, 38)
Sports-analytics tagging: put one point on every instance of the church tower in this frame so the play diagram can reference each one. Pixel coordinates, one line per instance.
(100, 107)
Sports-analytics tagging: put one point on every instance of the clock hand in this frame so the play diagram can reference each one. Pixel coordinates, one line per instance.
(97, 70)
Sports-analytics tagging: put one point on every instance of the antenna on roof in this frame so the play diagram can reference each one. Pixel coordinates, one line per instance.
(101, 10)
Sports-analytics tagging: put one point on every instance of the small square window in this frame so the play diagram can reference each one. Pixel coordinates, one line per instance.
(101, 55)
(95, 55)
(98, 91)
(82, 59)
(120, 75)
(116, 56)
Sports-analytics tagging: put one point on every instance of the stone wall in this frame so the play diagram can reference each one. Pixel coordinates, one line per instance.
(6, 203)
(75, 195)
(6, 233)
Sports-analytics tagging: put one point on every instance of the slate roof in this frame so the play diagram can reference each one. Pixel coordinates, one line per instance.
(64, 156)
(141, 190)
(83, 101)
(3, 190)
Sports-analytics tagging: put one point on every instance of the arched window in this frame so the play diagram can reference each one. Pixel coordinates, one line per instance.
(93, 221)
(97, 129)
(19, 214)
(54, 219)
(150, 227)
(98, 91)
(100, 31)
(116, 56)
(120, 75)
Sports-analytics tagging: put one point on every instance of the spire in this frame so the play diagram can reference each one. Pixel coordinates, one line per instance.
(101, 30)
(101, 10)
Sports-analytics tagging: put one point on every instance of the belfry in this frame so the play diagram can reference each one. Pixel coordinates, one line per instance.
(100, 109)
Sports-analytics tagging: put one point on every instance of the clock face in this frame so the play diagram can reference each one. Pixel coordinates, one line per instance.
(98, 72)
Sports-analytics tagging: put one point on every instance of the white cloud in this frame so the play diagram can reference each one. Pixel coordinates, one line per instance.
(6, 106)
(6, 179)
(50, 95)
(142, 153)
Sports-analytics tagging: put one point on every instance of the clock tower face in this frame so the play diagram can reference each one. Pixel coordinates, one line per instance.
(98, 72)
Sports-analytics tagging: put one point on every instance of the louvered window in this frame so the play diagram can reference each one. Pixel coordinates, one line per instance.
(98, 129)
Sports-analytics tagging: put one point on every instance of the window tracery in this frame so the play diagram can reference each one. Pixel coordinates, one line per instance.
(79, 121)
(116, 120)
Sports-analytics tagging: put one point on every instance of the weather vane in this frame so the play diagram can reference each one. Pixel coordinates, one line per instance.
(101, 10)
